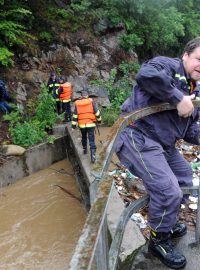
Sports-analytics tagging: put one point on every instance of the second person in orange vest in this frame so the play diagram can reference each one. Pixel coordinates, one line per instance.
(65, 94)
(86, 114)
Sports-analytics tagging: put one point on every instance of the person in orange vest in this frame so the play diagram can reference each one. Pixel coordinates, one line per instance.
(65, 93)
(86, 114)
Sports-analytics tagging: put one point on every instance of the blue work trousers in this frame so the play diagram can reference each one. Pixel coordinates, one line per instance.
(58, 107)
(88, 133)
(163, 172)
(66, 108)
(4, 107)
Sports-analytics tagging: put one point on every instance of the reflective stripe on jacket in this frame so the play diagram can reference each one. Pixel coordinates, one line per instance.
(51, 83)
(85, 113)
(53, 88)
(66, 94)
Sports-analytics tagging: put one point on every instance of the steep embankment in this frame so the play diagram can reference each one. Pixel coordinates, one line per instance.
(80, 57)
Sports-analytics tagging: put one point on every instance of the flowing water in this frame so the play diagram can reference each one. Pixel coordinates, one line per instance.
(40, 223)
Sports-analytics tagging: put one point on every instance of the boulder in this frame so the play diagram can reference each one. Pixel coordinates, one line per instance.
(13, 150)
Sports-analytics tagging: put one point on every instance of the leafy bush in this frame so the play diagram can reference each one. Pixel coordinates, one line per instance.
(27, 133)
(6, 57)
(109, 115)
(45, 37)
(12, 30)
(73, 17)
(45, 109)
(130, 41)
(28, 130)
(118, 89)
(13, 117)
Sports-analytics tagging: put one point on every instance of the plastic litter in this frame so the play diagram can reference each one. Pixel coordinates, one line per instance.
(193, 199)
(112, 172)
(195, 166)
(195, 181)
(193, 206)
(130, 175)
(124, 175)
(139, 220)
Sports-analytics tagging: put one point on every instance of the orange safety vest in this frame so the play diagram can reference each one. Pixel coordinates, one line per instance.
(85, 112)
(192, 87)
(66, 94)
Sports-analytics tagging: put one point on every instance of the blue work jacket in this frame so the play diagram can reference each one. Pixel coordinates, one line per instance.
(164, 79)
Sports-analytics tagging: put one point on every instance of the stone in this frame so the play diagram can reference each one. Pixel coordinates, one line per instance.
(13, 150)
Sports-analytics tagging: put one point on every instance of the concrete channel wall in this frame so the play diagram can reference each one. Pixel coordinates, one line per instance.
(34, 159)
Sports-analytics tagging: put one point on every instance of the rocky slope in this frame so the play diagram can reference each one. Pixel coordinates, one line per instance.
(79, 57)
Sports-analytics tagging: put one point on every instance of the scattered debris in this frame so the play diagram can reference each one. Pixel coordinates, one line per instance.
(193, 206)
(139, 220)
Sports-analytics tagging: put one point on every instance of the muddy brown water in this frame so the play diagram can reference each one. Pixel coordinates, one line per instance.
(40, 223)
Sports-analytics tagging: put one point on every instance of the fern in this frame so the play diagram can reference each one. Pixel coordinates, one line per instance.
(12, 30)
(6, 57)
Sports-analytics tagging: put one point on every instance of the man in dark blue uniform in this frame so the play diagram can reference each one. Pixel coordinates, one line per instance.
(53, 85)
(147, 147)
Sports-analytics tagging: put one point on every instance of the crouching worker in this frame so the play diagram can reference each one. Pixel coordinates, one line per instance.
(86, 114)
(4, 97)
(147, 147)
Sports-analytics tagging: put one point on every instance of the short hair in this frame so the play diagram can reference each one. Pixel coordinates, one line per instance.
(53, 73)
(62, 78)
(192, 45)
(84, 93)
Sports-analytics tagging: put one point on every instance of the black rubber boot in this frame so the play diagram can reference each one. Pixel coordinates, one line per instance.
(160, 245)
(178, 230)
(93, 155)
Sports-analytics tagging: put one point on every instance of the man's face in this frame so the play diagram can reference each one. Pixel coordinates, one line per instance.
(191, 64)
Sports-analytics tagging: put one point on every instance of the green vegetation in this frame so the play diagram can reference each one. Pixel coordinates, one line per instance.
(32, 128)
(110, 115)
(118, 90)
(13, 32)
(151, 27)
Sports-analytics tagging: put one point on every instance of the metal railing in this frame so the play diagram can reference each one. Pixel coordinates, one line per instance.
(94, 241)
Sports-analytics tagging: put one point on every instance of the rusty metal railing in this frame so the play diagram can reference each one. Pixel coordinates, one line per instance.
(84, 254)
